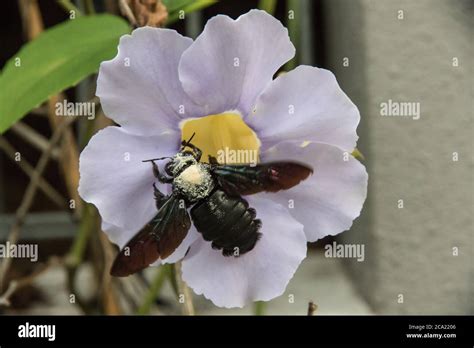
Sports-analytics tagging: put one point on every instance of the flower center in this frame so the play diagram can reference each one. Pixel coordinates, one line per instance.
(224, 136)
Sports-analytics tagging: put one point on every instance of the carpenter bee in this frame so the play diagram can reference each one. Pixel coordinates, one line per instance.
(213, 192)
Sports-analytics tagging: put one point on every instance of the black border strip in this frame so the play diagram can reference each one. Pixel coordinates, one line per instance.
(139, 330)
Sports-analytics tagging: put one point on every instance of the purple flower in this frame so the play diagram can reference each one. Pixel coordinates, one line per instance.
(159, 79)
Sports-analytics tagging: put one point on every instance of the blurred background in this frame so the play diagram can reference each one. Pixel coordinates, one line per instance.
(417, 223)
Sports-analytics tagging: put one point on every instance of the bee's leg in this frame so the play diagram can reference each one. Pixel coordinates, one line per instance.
(161, 178)
(196, 149)
(212, 160)
(160, 197)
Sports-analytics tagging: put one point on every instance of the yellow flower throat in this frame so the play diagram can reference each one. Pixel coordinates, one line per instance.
(222, 136)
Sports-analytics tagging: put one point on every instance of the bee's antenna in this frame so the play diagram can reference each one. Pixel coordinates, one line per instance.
(192, 136)
(155, 159)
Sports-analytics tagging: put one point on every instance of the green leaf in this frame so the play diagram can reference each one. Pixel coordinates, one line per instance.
(57, 59)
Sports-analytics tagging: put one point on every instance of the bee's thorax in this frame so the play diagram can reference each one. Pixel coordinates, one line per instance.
(194, 182)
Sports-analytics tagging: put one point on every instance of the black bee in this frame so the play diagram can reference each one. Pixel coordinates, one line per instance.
(213, 192)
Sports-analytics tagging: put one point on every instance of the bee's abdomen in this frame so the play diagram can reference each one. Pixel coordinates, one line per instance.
(228, 222)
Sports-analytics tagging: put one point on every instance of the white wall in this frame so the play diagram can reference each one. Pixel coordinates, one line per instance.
(409, 251)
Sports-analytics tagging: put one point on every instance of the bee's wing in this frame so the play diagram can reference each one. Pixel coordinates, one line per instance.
(171, 228)
(269, 177)
(139, 253)
(158, 239)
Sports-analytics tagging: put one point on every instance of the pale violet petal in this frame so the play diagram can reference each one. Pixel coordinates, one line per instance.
(328, 201)
(232, 61)
(259, 275)
(117, 235)
(305, 104)
(140, 89)
(114, 178)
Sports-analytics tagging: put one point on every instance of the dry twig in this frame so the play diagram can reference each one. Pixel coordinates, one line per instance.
(109, 293)
(33, 137)
(312, 307)
(31, 192)
(24, 165)
(141, 13)
(17, 284)
(33, 26)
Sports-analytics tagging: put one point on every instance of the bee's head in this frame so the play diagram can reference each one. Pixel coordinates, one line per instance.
(180, 162)
(187, 156)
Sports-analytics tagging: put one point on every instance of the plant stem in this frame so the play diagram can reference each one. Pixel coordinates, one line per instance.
(86, 227)
(183, 291)
(89, 223)
(194, 6)
(89, 6)
(259, 308)
(268, 6)
(68, 6)
(154, 290)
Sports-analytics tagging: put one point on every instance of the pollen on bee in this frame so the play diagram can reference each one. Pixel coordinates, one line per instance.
(192, 175)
